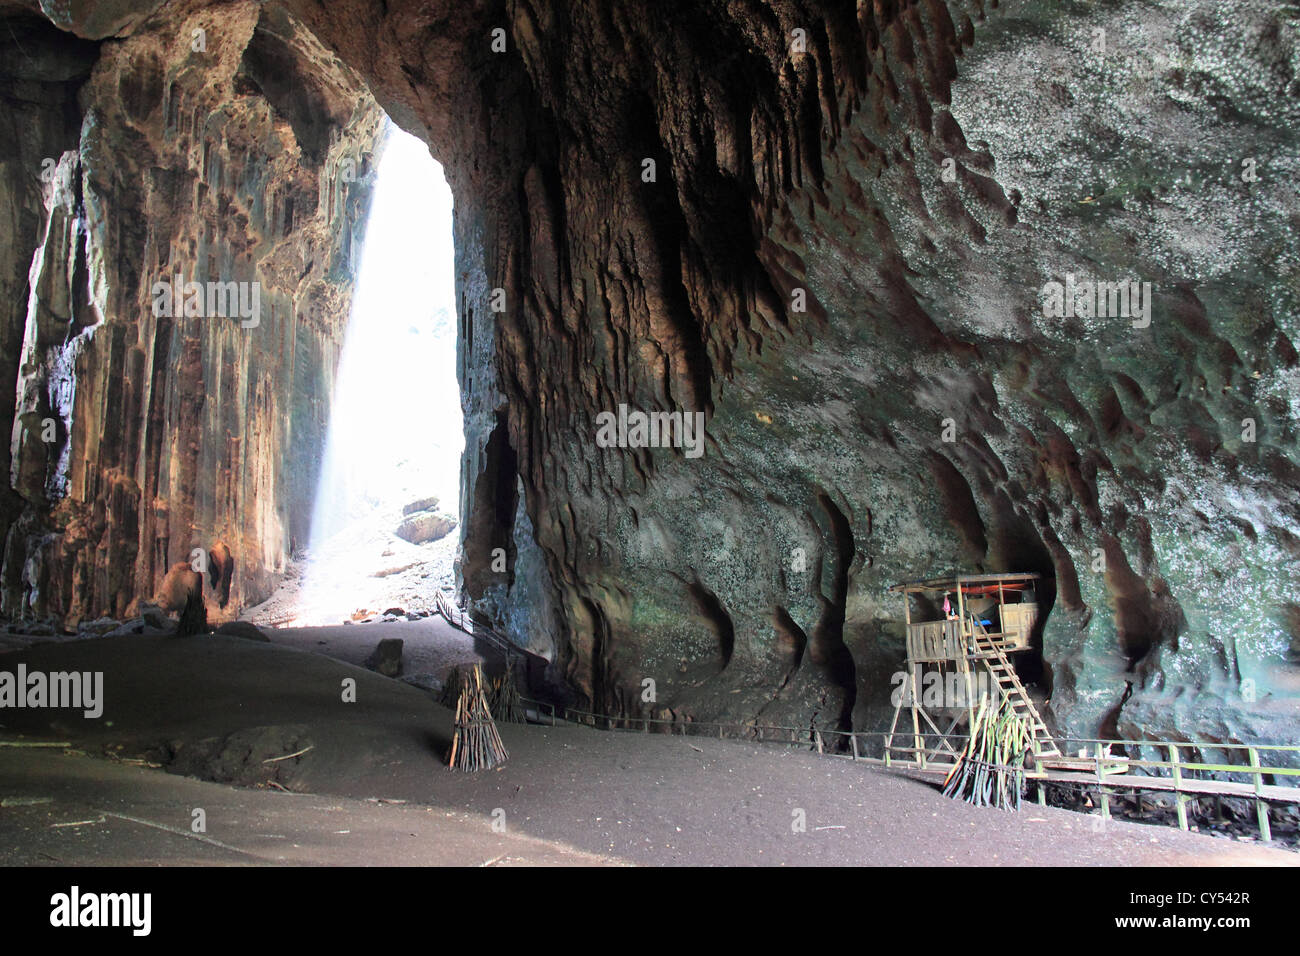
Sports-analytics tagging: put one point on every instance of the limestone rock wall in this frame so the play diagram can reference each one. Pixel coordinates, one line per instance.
(42, 69)
(827, 226)
(223, 144)
(840, 260)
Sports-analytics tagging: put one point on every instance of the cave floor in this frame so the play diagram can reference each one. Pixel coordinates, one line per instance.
(430, 646)
(369, 786)
(77, 810)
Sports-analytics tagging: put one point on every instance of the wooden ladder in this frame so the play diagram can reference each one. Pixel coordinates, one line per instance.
(989, 652)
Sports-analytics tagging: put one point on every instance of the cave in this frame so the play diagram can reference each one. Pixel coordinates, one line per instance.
(388, 496)
(726, 318)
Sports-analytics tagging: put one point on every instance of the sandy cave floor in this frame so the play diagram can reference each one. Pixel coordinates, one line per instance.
(430, 647)
(372, 787)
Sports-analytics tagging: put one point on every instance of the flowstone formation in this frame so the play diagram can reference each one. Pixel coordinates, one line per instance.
(846, 234)
(832, 228)
(196, 191)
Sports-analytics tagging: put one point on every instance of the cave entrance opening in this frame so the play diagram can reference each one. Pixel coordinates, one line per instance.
(383, 524)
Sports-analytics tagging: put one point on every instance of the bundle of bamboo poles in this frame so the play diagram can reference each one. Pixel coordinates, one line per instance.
(506, 702)
(990, 771)
(475, 745)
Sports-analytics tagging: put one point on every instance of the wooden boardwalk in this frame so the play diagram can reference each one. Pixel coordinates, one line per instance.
(1101, 771)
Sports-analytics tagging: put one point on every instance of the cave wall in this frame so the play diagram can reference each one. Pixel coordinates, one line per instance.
(41, 70)
(840, 261)
(221, 143)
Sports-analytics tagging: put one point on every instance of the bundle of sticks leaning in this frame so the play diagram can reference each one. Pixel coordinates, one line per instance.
(506, 702)
(475, 745)
(453, 687)
(990, 771)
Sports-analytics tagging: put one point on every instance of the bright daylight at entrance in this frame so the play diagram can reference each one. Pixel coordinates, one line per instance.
(384, 524)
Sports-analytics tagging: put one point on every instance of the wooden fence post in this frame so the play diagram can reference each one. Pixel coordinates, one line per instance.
(1098, 752)
(1261, 805)
(1178, 787)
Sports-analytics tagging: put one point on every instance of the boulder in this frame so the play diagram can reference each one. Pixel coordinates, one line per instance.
(386, 658)
(153, 616)
(248, 631)
(182, 590)
(425, 526)
(150, 625)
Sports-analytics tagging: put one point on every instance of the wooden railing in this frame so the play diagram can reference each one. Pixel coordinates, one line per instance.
(935, 641)
(1177, 768)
